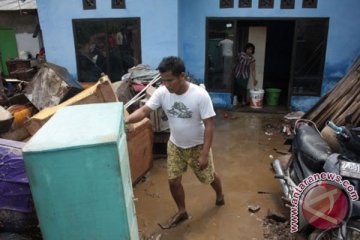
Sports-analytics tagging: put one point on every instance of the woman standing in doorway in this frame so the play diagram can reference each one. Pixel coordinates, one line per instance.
(245, 64)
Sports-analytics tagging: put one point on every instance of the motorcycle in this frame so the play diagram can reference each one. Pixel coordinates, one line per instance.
(313, 173)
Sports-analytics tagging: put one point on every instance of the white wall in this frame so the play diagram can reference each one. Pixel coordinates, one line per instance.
(159, 27)
(26, 42)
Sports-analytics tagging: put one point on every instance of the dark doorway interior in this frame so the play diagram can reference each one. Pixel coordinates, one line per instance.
(279, 45)
(278, 53)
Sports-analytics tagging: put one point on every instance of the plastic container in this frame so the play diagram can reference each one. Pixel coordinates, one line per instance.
(256, 98)
(221, 100)
(234, 102)
(272, 96)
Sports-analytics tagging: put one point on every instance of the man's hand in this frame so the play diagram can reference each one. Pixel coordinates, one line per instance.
(255, 82)
(202, 162)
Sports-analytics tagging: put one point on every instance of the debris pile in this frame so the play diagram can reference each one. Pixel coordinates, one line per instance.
(341, 101)
(276, 227)
(27, 105)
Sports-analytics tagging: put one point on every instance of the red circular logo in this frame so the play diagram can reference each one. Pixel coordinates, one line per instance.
(325, 205)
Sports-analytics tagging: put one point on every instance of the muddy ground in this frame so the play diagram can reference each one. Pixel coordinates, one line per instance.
(244, 146)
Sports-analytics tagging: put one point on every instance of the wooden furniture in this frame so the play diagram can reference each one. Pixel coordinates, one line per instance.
(20, 69)
(79, 174)
(99, 93)
(140, 147)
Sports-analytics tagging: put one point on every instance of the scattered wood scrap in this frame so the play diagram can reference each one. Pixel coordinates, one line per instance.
(341, 101)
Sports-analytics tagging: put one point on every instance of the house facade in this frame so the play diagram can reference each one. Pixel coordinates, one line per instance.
(302, 47)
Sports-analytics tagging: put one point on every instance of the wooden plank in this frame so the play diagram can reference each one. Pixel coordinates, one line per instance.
(343, 99)
(342, 88)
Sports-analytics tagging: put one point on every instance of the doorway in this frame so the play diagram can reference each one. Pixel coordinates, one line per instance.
(279, 49)
(289, 55)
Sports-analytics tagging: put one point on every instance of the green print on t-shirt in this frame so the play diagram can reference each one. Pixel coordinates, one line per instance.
(179, 110)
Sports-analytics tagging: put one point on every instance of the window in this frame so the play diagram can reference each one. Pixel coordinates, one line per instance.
(244, 3)
(226, 3)
(309, 3)
(310, 47)
(266, 3)
(89, 4)
(109, 46)
(219, 58)
(287, 4)
(118, 3)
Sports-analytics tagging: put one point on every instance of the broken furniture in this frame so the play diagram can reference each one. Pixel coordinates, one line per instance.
(21, 110)
(99, 93)
(78, 169)
(160, 126)
(140, 139)
(140, 147)
(20, 69)
(52, 85)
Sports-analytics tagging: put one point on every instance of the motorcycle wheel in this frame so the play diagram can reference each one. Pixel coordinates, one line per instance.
(352, 232)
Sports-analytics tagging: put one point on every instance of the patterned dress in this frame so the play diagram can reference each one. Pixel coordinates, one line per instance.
(242, 73)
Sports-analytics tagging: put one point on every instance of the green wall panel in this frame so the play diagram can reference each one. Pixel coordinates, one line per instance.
(8, 47)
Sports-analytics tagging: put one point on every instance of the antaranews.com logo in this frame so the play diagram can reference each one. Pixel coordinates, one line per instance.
(323, 199)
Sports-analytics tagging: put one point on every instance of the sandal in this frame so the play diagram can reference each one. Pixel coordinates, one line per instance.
(220, 202)
(175, 220)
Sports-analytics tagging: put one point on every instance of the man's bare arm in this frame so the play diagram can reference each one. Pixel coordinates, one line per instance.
(138, 115)
(208, 137)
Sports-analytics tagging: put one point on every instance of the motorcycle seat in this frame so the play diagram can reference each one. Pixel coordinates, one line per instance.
(311, 148)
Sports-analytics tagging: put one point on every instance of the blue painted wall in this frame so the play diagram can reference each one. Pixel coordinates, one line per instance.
(343, 37)
(159, 27)
(177, 27)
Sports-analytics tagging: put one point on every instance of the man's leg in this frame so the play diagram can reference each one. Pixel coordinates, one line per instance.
(178, 194)
(216, 185)
(176, 167)
(208, 175)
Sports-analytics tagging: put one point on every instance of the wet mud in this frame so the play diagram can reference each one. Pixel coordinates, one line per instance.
(244, 146)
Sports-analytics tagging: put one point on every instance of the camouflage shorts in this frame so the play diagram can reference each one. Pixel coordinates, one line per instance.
(179, 159)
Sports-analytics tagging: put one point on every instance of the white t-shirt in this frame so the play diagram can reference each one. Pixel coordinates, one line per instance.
(227, 47)
(185, 113)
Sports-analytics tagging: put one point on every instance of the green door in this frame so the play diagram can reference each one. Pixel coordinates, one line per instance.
(8, 47)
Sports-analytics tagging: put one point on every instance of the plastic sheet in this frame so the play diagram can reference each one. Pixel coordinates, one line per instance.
(15, 191)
